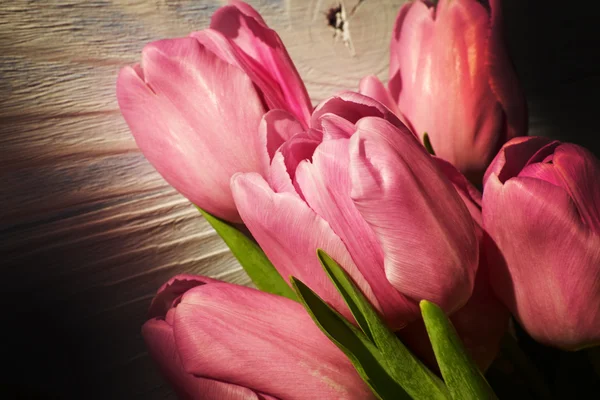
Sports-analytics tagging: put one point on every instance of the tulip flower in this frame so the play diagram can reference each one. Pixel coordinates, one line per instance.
(215, 340)
(483, 321)
(194, 104)
(359, 185)
(541, 208)
(450, 76)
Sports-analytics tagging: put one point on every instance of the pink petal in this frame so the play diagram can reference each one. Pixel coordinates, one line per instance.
(279, 179)
(184, 113)
(262, 50)
(265, 342)
(335, 127)
(170, 293)
(325, 184)
(290, 233)
(579, 170)
(426, 232)
(159, 339)
(515, 155)
(481, 324)
(439, 79)
(352, 106)
(372, 87)
(297, 149)
(550, 276)
(470, 195)
(276, 127)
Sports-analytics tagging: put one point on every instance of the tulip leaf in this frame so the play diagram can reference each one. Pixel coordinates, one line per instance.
(418, 381)
(365, 357)
(427, 144)
(463, 378)
(251, 257)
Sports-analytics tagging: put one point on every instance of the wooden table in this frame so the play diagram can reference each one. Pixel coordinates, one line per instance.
(89, 231)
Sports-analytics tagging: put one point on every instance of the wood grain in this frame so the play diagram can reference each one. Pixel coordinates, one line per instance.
(88, 230)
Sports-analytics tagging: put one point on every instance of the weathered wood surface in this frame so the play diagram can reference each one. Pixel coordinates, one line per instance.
(88, 230)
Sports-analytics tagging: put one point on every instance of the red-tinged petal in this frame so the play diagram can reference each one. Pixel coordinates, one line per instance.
(353, 106)
(265, 342)
(372, 87)
(264, 53)
(579, 171)
(290, 233)
(276, 127)
(170, 293)
(185, 116)
(503, 79)
(325, 184)
(426, 232)
(160, 341)
(549, 276)
(515, 155)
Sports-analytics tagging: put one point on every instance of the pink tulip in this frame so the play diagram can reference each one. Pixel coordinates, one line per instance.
(358, 185)
(194, 104)
(483, 321)
(215, 340)
(541, 208)
(450, 76)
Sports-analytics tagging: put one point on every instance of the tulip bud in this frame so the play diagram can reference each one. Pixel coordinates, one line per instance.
(194, 104)
(450, 76)
(541, 208)
(217, 341)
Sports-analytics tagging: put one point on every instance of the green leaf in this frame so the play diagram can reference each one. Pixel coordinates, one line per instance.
(418, 381)
(251, 258)
(427, 144)
(365, 357)
(463, 378)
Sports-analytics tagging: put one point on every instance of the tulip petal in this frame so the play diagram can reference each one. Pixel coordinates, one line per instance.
(183, 110)
(335, 127)
(468, 193)
(264, 52)
(546, 290)
(516, 154)
(159, 339)
(276, 127)
(481, 324)
(265, 342)
(579, 169)
(371, 86)
(426, 232)
(325, 184)
(279, 179)
(353, 106)
(170, 293)
(290, 233)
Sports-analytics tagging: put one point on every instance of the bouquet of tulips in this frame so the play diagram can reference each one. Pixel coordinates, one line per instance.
(401, 238)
